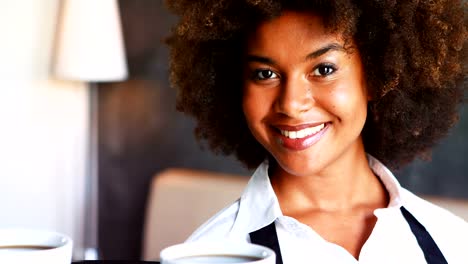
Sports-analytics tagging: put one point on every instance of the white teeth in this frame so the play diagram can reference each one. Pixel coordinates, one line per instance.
(293, 134)
(302, 133)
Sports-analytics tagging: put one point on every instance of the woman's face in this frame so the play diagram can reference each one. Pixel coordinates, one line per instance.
(304, 98)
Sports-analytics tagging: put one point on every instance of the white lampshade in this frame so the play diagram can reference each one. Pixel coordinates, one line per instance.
(89, 42)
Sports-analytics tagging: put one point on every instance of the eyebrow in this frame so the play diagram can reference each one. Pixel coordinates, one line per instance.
(323, 50)
(312, 55)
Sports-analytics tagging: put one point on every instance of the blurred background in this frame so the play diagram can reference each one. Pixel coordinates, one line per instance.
(46, 126)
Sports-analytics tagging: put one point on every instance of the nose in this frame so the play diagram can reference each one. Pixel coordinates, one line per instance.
(295, 97)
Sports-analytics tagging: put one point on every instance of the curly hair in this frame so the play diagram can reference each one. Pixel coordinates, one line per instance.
(413, 53)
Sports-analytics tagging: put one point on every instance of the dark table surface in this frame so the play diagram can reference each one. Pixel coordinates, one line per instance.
(114, 262)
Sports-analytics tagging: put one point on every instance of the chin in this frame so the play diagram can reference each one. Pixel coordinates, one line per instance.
(300, 169)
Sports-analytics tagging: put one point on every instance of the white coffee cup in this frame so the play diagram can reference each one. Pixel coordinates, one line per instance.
(25, 246)
(217, 252)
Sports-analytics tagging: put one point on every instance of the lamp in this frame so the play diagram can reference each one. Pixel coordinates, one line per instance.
(90, 48)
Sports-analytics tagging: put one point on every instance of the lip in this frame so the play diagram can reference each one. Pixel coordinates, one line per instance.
(300, 143)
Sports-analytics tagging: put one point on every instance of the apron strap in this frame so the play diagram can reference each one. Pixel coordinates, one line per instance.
(267, 237)
(429, 247)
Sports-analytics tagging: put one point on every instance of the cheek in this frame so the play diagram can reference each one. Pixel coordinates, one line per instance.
(249, 107)
(253, 116)
(246, 103)
(350, 102)
(256, 102)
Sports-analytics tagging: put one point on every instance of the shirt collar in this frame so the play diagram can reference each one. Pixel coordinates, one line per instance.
(389, 181)
(259, 205)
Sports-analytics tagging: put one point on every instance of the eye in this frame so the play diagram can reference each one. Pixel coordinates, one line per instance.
(324, 70)
(264, 74)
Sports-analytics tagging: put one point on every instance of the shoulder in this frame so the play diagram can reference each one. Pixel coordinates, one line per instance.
(217, 227)
(449, 231)
(427, 211)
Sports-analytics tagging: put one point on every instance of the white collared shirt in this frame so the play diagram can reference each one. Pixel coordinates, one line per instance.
(391, 240)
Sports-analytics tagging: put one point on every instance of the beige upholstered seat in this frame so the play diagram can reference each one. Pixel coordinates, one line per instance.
(180, 200)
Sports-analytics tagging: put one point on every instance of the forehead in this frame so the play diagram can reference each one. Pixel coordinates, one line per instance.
(291, 31)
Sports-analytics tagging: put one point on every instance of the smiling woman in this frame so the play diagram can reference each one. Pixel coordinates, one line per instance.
(319, 95)
(302, 83)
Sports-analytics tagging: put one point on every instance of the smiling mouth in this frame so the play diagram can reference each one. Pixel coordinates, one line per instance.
(303, 132)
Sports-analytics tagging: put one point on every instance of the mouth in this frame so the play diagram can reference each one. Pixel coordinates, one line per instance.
(298, 134)
(301, 137)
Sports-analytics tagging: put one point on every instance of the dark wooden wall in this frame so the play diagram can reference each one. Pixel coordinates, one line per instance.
(142, 134)
(447, 172)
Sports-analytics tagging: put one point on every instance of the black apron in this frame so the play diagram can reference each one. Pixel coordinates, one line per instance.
(267, 236)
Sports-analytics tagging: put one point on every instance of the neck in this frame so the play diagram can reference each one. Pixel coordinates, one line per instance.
(351, 184)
